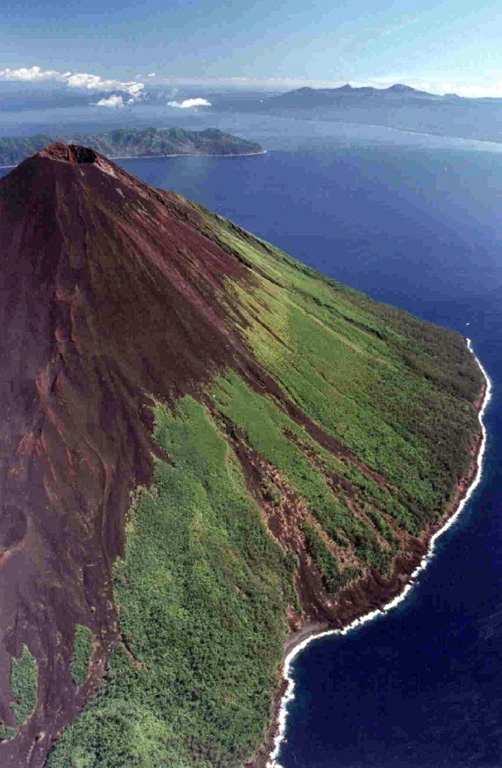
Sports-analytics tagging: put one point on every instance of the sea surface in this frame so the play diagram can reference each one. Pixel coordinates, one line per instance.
(415, 221)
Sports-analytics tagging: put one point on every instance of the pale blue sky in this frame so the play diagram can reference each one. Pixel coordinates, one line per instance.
(455, 43)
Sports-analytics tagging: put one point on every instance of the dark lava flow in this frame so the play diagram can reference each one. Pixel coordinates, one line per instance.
(109, 294)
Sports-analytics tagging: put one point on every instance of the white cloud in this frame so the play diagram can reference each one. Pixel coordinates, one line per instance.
(31, 74)
(134, 89)
(188, 103)
(73, 80)
(113, 101)
(96, 83)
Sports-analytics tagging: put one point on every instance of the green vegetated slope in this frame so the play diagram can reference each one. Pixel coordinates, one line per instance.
(82, 650)
(24, 681)
(134, 142)
(396, 391)
(203, 591)
(201, 596)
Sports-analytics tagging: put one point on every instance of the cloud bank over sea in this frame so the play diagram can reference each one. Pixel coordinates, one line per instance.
(189, 103)
(114, 102)
(83, 80)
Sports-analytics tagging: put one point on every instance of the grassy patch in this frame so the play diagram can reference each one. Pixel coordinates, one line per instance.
(6, 732)
(267, 429)
(24, 682)
(82, 650)
(325, 561)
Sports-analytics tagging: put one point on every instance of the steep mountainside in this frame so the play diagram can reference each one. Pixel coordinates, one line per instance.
(133, 142)
(205, 446)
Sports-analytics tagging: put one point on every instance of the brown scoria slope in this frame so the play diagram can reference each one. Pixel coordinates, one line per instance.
(115, 297)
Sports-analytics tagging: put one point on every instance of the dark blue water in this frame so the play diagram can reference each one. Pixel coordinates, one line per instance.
(421, 227)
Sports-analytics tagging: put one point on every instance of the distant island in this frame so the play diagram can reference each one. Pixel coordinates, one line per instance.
(133, 142)
(397, 107)
(321, 97)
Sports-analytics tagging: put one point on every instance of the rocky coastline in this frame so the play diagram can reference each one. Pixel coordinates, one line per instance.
(373, 595)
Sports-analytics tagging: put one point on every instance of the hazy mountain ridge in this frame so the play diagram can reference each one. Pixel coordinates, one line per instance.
(398, 106)
(322, 96)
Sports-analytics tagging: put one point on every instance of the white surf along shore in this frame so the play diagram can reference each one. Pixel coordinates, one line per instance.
(273, 760)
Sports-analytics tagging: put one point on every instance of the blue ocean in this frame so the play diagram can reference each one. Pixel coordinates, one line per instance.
(415, 221)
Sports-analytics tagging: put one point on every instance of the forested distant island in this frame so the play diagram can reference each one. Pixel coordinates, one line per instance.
(133, 142)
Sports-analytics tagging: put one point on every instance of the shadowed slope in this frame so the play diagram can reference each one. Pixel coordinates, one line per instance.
(291, 444)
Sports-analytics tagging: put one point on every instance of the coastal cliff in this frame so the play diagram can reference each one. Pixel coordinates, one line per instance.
(208, 449)
(371, 597)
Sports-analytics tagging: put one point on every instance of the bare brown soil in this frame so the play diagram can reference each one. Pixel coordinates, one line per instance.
(109, 291)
